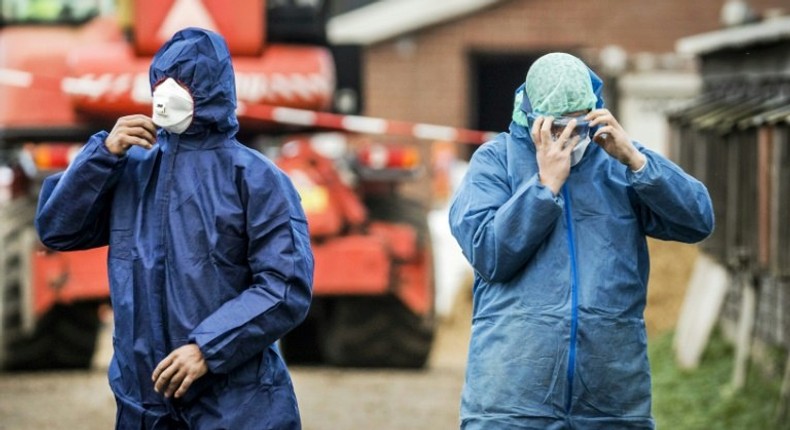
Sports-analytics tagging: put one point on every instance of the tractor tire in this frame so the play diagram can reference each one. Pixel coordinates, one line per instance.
(302, 345)
(64, 338)
(381, 331)
(377, 332)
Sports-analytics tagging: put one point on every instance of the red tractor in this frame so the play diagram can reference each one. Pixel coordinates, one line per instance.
(373, 272)
(70, 68)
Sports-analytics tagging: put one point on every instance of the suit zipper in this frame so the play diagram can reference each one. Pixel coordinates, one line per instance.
(574, 297)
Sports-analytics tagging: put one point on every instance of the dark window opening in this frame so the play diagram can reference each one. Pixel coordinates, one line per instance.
(494, 79)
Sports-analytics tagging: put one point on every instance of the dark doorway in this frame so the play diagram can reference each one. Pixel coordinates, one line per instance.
(495, 77)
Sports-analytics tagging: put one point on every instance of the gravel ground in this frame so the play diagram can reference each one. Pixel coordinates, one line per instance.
(329, 398)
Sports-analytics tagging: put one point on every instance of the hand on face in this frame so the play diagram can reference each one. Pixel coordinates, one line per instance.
(131, 130)
(553, 155)
(613, 139)
(176, 373)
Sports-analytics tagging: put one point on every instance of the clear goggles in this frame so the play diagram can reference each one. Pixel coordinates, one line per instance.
(558, 125)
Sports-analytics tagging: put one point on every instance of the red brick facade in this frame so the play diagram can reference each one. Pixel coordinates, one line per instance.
(425, 76)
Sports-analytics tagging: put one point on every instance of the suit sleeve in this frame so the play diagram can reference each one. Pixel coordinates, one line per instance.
(498, 228)
(74, 206)
(671, 204)
(281, 262)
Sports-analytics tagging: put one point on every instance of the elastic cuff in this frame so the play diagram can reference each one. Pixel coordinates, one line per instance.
(639, 170)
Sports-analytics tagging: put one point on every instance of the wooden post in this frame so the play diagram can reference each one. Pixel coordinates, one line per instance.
(764, 194)
(743, 340)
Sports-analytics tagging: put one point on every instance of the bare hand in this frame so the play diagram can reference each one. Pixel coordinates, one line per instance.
(554, 156)
(176, 373)
(131, 130)
(613, 139)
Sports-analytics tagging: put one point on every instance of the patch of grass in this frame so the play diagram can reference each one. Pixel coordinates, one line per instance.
(702, 399)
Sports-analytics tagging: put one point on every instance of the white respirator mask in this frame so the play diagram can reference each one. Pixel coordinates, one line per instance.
(173, 106)
(578, 151)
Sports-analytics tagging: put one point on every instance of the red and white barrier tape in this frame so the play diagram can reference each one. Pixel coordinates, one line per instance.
(281, 115)
(68, 85)
(364, 124)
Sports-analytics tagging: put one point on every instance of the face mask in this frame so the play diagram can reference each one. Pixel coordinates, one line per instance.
(578, 151)
(173, 106)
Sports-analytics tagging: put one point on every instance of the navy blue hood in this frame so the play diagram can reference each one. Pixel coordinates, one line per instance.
(200, 60)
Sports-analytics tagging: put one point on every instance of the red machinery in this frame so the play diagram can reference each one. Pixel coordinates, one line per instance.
(68, 69)
(373, 262)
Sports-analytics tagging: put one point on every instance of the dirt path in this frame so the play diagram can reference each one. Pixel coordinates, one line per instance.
(671, 265)
(329, 398)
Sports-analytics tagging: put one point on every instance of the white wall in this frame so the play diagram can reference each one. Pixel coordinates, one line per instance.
(645, 97)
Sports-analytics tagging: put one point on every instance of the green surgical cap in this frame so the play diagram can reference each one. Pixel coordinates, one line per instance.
(559, 83)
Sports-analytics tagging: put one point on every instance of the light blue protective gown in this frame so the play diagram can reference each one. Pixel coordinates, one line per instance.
(558, 336)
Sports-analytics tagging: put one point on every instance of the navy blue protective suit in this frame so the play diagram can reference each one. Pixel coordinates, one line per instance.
(208, 244)
(558, 336)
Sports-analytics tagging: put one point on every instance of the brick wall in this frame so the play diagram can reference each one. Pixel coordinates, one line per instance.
(425, 76)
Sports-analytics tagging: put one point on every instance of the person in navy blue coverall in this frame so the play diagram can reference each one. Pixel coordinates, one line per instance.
(209, 253)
